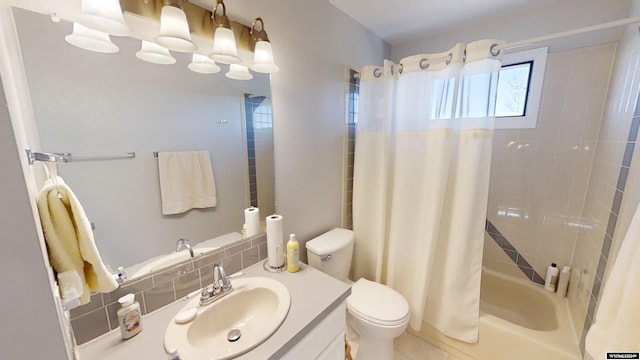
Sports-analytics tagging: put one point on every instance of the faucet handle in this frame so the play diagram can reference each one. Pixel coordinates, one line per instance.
(205, 294)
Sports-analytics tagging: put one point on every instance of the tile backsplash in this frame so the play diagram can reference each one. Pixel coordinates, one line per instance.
(162, 288)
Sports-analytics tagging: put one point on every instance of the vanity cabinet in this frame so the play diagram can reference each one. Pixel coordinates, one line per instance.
(325, 341)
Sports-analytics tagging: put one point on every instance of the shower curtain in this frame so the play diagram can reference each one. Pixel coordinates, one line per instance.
(421, 179)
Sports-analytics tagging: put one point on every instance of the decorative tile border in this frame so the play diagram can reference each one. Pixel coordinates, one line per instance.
(162, 288)
(613, 220)
(513, 254)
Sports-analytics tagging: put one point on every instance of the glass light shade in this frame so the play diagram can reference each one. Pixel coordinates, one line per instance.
(202, 64)
(224, 47)
(238, 72)
(105, 16)
(174, 30)
(90, 39)
(263, 58)
(154, 53)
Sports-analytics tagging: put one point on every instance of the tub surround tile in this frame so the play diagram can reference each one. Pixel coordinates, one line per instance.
(537, 193)
(615, 158)
(518, 258)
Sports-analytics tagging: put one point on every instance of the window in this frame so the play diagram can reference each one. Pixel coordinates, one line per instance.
(520, 88)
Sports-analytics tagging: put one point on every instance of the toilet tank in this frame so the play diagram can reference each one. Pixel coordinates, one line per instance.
(331, 253)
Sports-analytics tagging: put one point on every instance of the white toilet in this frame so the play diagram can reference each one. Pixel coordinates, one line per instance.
(375, 312)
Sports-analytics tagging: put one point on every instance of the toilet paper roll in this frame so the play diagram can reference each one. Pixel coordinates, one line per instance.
(275, 249)
(252, 221)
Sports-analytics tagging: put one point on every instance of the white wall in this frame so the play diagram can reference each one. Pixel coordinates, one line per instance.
(589, 256)
(29, 315)
(560, 16)
(312, 41)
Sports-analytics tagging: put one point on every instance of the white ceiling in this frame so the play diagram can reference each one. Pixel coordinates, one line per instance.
(402, 20)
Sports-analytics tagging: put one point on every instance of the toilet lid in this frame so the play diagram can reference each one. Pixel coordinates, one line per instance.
(377, 303)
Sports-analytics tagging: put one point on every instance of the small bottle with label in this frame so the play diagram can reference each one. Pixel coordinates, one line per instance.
(129, 316)
(293, 254)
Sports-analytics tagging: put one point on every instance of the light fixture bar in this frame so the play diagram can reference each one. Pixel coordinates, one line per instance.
(199, 19)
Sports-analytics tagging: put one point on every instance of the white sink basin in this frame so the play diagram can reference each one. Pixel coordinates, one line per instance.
(169, 260)
(256, 307)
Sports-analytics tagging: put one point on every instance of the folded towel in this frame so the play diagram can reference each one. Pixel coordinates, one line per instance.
(71, 288)
(70, 242)
(617, 322)
(186, 181)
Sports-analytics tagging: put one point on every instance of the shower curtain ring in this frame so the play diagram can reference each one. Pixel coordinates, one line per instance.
(377, 73)
(449, 58)
(401, 68)
(424, 65)
(493, 50)
(464, 56)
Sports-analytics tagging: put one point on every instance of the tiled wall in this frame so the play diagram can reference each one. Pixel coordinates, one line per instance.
(352, 120)
(539, 177)
(162, 288)
(613, 157)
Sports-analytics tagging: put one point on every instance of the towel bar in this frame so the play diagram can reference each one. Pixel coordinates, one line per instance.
(67, 157)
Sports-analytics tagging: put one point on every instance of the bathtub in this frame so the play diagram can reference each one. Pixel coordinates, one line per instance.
(518, 320)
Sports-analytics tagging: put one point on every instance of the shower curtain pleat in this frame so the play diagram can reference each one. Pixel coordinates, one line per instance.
(369, 215)
(421, 179)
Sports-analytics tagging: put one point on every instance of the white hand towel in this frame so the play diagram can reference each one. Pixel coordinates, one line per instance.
(186, 181)
(70, 241)
(617, 322)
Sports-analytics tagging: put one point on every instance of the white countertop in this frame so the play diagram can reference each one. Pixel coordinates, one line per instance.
(313, 296)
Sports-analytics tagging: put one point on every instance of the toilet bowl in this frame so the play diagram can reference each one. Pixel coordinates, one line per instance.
(375, 312)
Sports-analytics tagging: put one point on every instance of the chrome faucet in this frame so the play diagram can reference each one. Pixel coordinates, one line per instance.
(221, 286)
(184, 244)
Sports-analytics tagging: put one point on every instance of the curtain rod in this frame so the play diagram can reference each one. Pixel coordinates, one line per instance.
(558, 35)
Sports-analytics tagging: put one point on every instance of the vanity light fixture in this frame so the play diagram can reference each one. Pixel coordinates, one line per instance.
(202, 64)
(105, 16)
(184, 26)
(224, 42)
(154, 53)
(174, 28)
(90, 39)
(238, 72)
(263, 54)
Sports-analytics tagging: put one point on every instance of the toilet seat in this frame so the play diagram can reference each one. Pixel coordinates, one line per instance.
(377, 303)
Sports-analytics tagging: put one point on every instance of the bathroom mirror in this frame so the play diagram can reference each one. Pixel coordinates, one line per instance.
(88, 103)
